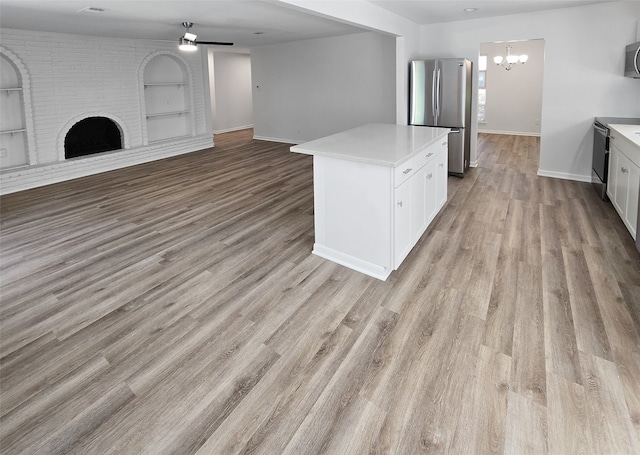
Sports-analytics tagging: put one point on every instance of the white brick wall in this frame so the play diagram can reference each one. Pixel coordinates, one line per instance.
(72, 76)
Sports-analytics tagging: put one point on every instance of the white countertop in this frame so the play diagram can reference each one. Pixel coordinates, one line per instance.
(375, 143)
(630, 132)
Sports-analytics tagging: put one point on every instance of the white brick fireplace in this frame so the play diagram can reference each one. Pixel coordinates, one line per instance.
(50, 81)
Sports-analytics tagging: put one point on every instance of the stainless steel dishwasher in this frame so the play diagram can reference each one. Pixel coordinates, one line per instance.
(600, 156)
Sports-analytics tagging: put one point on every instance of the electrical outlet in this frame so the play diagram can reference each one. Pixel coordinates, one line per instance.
(3, 153)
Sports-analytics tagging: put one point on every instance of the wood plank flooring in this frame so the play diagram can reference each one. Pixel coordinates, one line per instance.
(174, 308)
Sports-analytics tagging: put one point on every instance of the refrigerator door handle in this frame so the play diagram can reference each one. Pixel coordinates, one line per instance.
(438, 94)
(434, 106)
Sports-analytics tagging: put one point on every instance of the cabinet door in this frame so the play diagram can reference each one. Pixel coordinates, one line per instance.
(418, 207)
(619, 180)
(631, 205)
(441, 177)
(431, 190)
(402, 222)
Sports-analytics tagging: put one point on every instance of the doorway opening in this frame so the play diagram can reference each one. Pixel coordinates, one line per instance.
(231, 90)
(510, 100)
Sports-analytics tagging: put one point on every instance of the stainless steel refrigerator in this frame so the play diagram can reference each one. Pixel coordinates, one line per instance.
(440, 95)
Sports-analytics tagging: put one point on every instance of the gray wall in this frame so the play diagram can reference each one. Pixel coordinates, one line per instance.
(307, 89)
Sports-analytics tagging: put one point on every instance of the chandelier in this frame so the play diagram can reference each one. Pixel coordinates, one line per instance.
(510, 60)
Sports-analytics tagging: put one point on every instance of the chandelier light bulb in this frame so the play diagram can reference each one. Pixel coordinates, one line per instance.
(509, 60)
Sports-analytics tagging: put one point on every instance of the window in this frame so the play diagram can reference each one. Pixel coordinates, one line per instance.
(482, 89)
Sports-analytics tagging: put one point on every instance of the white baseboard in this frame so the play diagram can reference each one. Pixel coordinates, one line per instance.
(24, 178)
(473, 163)
(510, 133)
(236, 128)
(276, 139)
(564, 176)
(376, 271)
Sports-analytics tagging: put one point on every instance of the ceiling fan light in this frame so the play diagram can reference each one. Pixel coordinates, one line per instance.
(190, 36)
(497, 59)
(187, 45)
(524, 58)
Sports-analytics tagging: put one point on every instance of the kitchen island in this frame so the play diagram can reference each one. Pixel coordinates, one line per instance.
(376, 190)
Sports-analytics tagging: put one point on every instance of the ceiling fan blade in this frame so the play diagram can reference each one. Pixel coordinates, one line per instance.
(214, 42)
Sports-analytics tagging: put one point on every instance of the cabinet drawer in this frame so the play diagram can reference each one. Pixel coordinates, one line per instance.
(431, 152)
(404, 171)
(417, 162)
(624, 146)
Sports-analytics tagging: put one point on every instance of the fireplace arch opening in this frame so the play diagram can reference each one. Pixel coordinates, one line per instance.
(92, 135)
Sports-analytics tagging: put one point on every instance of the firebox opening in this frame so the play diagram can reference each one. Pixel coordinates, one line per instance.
(92, 135)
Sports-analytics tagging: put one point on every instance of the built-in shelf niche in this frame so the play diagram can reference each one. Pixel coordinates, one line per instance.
(166, 97)
(13, 138)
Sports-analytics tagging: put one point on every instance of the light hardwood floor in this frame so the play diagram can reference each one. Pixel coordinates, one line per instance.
(174, 307)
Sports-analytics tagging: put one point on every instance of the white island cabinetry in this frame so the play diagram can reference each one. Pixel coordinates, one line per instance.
(624, 173)
(376, 189)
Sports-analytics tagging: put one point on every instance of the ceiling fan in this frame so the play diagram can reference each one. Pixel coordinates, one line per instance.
(188, 41)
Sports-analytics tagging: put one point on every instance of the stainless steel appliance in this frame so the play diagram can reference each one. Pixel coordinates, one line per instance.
(600, 159)
(632, 60)
(600, 156)
(440, 95)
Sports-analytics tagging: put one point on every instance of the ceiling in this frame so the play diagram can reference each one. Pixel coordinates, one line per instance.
(436, 11)
(244, 22)
(237, 21)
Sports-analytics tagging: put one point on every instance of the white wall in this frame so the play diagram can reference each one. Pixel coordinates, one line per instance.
(514, 97)
(584, 62)
(232, 105)
(74, 76)
(307, 89)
